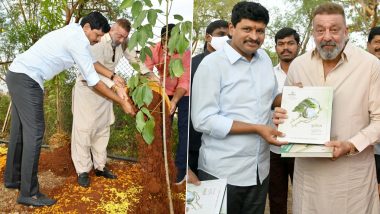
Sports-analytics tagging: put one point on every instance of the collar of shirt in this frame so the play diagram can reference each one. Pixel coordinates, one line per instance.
(107, 38)
(278, 69)
(233, 56)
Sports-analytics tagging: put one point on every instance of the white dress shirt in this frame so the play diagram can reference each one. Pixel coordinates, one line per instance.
(229, 88)
(55, 52)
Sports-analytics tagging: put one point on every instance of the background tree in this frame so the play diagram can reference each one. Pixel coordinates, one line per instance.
(206, 12)
(23, 22)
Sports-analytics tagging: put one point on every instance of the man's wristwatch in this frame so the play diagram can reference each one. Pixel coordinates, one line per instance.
(112, 76)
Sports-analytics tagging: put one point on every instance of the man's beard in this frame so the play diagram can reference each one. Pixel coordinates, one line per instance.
(115, 43)
(330, 54)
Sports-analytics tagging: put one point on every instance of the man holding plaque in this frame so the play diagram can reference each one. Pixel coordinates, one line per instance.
(232, 95)
(347, 182)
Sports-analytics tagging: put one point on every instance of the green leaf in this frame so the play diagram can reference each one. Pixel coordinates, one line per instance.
(159, 11)
(133, 82)
(160, 2)
(143, 36)
(146, 112)
(140, 122)
(144, 80)
(142, 54)
(149, 30)
(186, 27)
(172, 43)
(148, 51)
(152, 17)
(126, 4)
(182, 44)
(147, 95)
(135, 66)
(178, 17)
(136, 8)
(140, 18)
(132, 43)
(176, 67)
(148, 3)
(140, 96)
(148, 131)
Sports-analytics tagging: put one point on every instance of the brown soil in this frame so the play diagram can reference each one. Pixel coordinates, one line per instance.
(151, 158)
(140, 188)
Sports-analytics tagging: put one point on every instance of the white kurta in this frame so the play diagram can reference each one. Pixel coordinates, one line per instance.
(347, 185)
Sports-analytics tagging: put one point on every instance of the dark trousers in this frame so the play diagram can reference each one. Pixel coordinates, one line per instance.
(27, 130)
(243, 200)
(193, 160)
(280, 170)
(377, 164)
(181, 154)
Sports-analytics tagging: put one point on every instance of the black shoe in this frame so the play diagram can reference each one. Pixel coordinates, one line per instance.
(12, 185)
(105, 173)
(38, 200)
(83, 179)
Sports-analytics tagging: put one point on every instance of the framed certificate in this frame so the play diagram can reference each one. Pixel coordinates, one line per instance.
(309, 112)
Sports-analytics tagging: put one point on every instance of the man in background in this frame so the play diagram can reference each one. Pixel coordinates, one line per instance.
(287, 46)
(177, 88)
(373, 46)
(215, 38)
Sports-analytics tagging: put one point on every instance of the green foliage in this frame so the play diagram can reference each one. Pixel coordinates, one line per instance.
(206, 12)
(138, 85)
(4, 103)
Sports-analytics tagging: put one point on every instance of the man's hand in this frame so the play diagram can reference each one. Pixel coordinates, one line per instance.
(128, 107)
(279, 116)
(341, 148)
(120, 92)
(192, 178)
(270, 135)
(119, 81)
(173, 106)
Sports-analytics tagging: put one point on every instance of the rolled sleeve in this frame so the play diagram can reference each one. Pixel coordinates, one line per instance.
(205, 110)
(83, 58)
(370, 134)
(109, 83)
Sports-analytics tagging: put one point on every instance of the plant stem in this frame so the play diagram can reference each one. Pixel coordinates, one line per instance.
(164, 116)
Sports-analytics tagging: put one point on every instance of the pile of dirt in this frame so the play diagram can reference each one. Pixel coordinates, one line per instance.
(151, 158)
(58, 161)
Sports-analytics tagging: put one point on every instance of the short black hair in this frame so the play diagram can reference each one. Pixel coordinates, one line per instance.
(285, 32)
(96, 21)
(163, 29)
(249, 10)
(375, 31)
(215, 25)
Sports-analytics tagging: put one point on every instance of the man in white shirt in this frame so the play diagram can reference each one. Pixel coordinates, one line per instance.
(287, 47)
(54, 52)
(373, 46)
